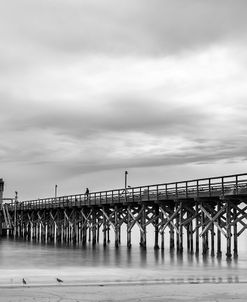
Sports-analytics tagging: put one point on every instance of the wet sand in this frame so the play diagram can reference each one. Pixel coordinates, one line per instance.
(126, 292)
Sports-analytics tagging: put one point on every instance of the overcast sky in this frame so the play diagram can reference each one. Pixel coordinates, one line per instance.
(92, 88)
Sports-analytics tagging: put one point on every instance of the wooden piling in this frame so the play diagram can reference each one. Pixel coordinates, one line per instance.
(204, 239)
(128, 227)
(212, 241)
(181, 229)
(105, 226)
(94, 228)
(84, 231)
(235, 234)
(172, 241)
(156, 227)
(219, 252)
(116, 228)
(228, 230)
(108, 233)
(162, 235)
(143, 226)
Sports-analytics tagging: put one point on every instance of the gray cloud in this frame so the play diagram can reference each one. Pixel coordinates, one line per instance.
(121, 115)
(137, 27)
(74, 140)
(89, 86)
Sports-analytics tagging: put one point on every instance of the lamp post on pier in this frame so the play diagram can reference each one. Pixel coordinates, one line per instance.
(15, 213)
(125, 180)
(125, 184)
(55, 191)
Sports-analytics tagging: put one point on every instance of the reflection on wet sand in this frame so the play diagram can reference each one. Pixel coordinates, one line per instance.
(34, 262)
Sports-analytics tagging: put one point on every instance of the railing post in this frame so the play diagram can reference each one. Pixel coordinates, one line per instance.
(236, 184)
(209, 186)
(222, 186)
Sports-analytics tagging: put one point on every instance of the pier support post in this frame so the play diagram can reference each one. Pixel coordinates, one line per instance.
(105, 226)
(128, 228)
(143, 242)
(59, 228)
(98, 230)
(119, 233)
(171, 230)
(181, 228)
(84, 229)
(190, 247)
(212, 241)
(177, 234)
(1, 202)
(162, 235)
(219, 252)
(59, 232)
(188, 238)
(108, 233)
(116, 227)
(228, 230)
(74, 232)
(235, 234)
(156, 227)
(204, 239)
(172, 242)
(197, 228)
(191, 238)
(94, 228)
(1, 224)
(90, 232)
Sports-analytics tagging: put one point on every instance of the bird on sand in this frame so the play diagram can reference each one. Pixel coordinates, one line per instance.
(59, 280)
(24, 281)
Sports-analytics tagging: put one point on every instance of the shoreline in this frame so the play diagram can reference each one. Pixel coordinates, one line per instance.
(207, 292)
(124, 283)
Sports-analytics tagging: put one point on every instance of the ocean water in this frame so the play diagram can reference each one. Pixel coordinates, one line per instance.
(41, 264)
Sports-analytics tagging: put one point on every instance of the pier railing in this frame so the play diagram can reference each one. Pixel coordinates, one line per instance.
(189, 189)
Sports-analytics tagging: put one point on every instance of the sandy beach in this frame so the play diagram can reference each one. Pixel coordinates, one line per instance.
(126, 292)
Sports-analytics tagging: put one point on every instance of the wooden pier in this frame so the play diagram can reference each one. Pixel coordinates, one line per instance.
(195, 215)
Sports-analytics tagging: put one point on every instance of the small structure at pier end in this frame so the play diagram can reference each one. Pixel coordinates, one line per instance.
(197, 213)
(1, 202)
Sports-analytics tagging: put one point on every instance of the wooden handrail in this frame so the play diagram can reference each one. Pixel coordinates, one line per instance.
(187, 187)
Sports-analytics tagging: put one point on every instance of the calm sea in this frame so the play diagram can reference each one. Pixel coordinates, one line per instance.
(42, 264)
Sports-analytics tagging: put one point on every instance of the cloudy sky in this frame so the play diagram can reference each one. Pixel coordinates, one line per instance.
(91, 88)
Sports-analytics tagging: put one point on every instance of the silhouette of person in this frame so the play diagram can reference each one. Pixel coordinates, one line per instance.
(87, 192)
